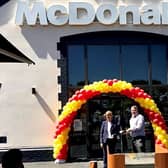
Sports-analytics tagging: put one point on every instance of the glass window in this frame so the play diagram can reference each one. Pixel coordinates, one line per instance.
(135, 63)
(128, 62)
(158, 57)
(76, 64)
(103, 62)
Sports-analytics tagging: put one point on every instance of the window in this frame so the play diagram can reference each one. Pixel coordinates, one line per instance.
(103, 62)
(89, 63)
(159, 61)
(76, 64)
(137, 57)
(135, 62)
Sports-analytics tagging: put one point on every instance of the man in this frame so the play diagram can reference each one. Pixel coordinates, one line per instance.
(108, 135)
(137, 130)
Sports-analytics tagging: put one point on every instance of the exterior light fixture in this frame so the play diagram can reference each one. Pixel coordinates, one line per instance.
(33, 90)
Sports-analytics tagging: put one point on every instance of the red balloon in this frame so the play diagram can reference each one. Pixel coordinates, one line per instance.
(64, 149)
(157, 115)
(151, 115)
(110, 82)
(94, 93)
(74, 97)
(88, 94)
(141, 90)
(162, 125)
(77, 92)
(105, 80)
(80, 96)
(70, 99)
(140, 94)
(158, 141)
(155, 120)
(61, 127)
(82, 91)
(136, 90)
(61, 156)
(58, 131)
(115, 80)
(145, 95)
(149, 96)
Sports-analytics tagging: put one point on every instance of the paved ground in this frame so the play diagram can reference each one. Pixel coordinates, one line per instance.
(131, 160)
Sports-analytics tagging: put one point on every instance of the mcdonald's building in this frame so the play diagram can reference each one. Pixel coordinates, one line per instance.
(49, 49)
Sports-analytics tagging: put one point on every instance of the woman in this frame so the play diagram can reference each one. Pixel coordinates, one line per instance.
(108, 135)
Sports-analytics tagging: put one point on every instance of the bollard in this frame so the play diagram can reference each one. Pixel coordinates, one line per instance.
(160, 149)
(161, 160)
(116, 161)
(93, 164)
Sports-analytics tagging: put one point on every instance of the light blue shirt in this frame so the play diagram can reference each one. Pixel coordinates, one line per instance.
(137, 125)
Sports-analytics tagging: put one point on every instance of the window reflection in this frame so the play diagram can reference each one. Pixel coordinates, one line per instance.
(135, 62)
(127, 62)
(158, 65)
(103, 62)
(76, 65)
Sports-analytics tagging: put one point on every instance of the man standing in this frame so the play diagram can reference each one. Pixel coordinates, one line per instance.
(137, 130)
(108, 135)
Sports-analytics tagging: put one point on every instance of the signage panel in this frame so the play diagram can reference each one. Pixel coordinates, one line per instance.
(84, 13)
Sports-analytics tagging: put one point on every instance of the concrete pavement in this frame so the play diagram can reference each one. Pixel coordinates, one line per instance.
(131, 161)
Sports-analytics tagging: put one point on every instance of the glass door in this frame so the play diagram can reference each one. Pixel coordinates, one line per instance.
(119, 105)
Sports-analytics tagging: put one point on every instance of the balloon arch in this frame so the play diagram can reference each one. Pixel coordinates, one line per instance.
(97, 88)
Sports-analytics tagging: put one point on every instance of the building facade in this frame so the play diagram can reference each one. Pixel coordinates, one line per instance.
(74, 43)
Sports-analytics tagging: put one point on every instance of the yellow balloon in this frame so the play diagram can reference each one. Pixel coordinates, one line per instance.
(158, 129)
(161, 137)
(60, 137)
(165, 141)
(54, 155)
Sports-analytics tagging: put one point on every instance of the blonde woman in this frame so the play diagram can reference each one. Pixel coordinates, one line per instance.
(108, 135)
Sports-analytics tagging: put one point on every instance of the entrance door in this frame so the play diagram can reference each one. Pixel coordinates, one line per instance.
(97, 107)
(120, 106)
(85, 132)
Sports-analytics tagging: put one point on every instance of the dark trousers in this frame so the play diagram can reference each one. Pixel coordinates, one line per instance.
(138, 144)
(110, 146)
